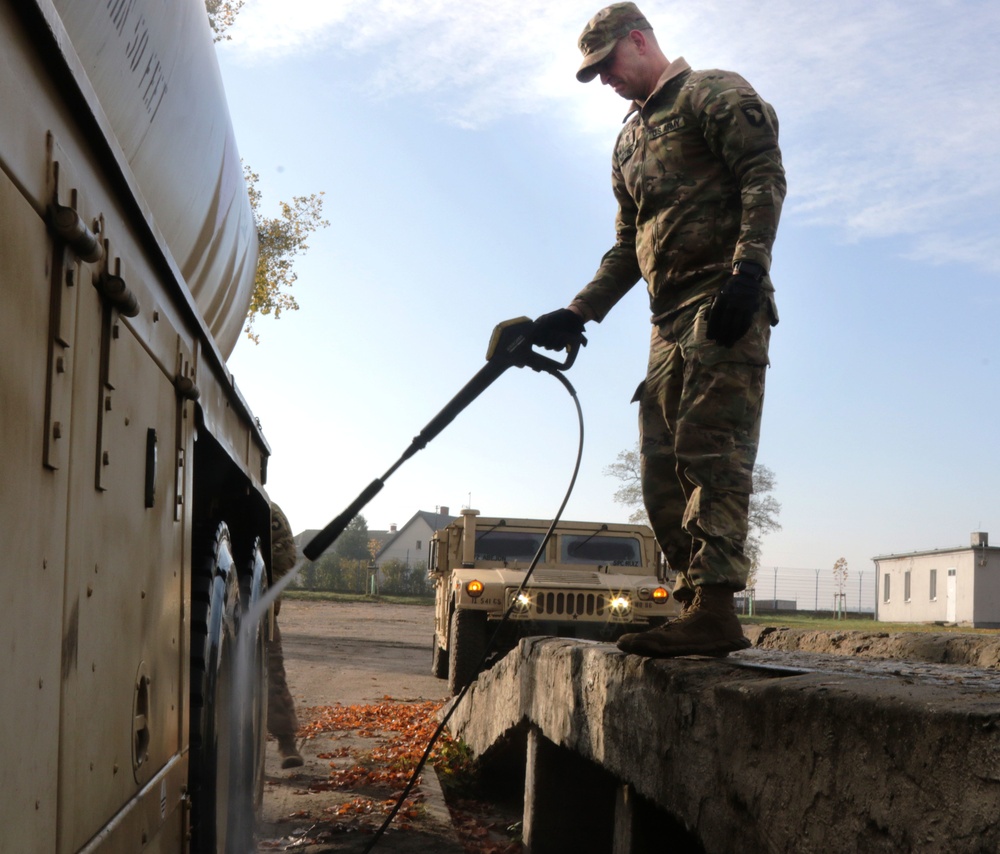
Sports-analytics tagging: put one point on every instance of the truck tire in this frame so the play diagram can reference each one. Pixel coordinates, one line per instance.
(215, 603)
(466, 647)
(439, 659)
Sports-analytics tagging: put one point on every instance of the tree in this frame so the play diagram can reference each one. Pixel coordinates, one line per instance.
(279, 238)
(353, 543)
(764, 507)
(762, 518)
(840, 581)
(400, 579)
(221, 16)
(627, 468)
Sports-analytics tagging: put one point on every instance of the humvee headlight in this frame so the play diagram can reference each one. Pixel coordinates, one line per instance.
(660, 595)
(522, 602)
(474, 588)
(621, 605)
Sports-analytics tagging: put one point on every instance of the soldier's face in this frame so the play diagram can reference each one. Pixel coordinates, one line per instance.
(622, 71)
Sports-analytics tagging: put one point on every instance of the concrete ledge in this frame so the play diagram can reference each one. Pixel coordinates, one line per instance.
(764, 751)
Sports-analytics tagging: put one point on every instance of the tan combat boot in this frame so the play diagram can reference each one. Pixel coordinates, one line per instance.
(290, 756)
(708, 626)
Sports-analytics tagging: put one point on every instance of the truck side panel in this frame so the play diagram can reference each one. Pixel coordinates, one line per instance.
(93, 429)
(35, 554)
(97, 511)
(125, 575)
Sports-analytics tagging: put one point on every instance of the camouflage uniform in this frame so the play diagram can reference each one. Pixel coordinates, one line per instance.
(699, 182)
(282, 721)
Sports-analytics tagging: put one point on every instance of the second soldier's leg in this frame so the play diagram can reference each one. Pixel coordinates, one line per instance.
(282, 722)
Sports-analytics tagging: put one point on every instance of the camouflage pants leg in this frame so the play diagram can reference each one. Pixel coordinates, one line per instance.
(282, 721)
(699, 423)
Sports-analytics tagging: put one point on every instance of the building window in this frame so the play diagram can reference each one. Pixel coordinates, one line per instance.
(420, 545)
(933, 585)
(885, 587)
(906, 586)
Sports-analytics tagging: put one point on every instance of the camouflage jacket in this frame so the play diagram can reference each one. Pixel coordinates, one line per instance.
(283, 551)
(699, 182)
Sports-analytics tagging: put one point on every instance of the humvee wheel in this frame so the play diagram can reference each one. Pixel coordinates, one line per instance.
(439, 659)
(466, 646)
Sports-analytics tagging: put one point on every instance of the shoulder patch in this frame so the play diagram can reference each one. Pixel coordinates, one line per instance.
(753, 113)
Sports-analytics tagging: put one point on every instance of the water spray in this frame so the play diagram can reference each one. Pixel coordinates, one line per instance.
(510, 346)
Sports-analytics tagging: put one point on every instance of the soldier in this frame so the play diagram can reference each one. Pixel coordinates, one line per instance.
(698, 178)
(282, 721)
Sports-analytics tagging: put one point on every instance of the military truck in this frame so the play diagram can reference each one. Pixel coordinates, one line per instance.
(594, 581)
(135, 523)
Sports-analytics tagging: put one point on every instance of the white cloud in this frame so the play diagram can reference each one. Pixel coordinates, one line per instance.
(888, 111)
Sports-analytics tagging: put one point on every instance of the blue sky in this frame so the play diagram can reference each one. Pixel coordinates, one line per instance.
(466, 179)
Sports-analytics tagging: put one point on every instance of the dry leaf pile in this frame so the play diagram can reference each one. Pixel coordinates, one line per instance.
(375, 777)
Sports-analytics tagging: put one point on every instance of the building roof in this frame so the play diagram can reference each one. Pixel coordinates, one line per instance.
(304, 537)
(952, 550)
(434, 521)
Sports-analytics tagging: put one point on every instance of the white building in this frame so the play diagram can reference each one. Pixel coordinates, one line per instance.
(958, 585)
(410, 544)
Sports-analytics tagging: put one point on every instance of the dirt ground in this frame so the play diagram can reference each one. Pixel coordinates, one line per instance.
(343, 655)
(964, 649)
(366, 660)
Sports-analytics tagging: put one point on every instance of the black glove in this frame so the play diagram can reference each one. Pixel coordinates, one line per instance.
(557, 330)
(735, 305)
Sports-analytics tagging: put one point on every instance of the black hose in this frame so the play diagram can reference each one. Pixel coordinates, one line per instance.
(496, 634)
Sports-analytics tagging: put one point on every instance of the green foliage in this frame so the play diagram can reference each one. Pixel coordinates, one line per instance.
(334, 573)
(221, 16)
(353, 543)
(396, 578)
(280, 239)
(456, 766)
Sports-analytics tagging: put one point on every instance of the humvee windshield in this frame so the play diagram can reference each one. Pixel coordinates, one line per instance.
(507, 545)
(602, 550)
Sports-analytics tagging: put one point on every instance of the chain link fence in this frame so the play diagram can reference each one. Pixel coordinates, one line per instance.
(813, 591)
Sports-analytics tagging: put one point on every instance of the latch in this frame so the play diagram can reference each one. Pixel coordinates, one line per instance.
(73, 244)
(186, 386)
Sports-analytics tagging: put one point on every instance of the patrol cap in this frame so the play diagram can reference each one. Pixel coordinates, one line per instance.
(604, 31)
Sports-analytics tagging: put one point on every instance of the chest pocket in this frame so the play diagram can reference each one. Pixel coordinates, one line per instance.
(627, 143)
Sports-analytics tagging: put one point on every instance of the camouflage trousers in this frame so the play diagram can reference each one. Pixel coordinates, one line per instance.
(699, 423)
(282, 721)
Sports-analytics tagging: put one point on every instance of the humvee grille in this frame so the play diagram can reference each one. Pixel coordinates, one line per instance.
(549, 604)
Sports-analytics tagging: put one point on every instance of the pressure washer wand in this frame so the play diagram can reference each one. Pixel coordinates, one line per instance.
(510, 346)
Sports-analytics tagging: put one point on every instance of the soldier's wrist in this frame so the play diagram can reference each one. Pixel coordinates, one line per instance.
(751, 269)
